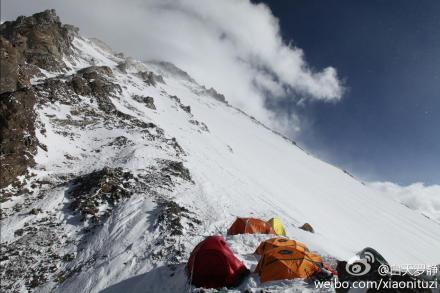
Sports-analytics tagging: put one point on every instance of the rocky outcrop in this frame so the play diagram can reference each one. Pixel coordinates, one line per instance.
(17, 134)
(9, 66)
(150, 78)
(173, 70)
(35, 256)
(147, 101)
(94, 81)
(181, 106)
(105, 187)
(94, 72)
(213, 93)
(40, 40)
(90, 81)
(175, 169)
(202, 126)
(307, 227)
(171, 221)
(108, 186)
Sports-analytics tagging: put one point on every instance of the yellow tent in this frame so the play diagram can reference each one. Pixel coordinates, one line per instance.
(275, 223)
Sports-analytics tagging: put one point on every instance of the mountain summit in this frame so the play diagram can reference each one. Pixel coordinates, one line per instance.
(113, 169)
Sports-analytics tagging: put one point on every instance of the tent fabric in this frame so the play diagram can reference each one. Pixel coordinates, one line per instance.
(277, 226)
(212, 264)
(272, 243)
(250, 226)
(287, 263)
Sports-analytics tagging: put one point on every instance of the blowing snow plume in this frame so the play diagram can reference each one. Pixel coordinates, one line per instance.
(233, 46)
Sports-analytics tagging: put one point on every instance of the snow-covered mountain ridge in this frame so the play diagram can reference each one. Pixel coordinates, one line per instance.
(129, 164)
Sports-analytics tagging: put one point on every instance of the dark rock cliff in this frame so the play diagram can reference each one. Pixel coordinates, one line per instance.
(39, 40)
(26, 44)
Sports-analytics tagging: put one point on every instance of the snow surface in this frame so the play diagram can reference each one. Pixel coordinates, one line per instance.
(239, 168)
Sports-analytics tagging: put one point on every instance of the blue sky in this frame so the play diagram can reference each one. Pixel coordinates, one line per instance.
(387, 126)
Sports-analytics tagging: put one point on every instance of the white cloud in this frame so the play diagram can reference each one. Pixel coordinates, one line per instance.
(232, 45)
(417, 196)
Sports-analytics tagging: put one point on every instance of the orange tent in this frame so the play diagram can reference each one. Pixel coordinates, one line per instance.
(272, 243)
(250, 226)
(287, 262)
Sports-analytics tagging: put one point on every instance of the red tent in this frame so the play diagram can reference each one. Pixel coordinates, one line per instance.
(212, 264)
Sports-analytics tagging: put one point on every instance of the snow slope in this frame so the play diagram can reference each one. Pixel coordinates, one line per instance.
(243, 169)
(238, 167)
